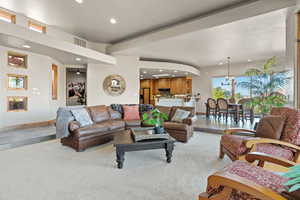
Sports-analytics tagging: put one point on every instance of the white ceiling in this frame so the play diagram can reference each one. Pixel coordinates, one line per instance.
(90, 20)
(255, 38)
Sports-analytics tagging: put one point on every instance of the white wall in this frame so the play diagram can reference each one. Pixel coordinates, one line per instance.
(203, 84)
(41, 107)
(127, 67)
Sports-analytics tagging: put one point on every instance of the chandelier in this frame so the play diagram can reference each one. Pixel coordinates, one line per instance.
(228, 79)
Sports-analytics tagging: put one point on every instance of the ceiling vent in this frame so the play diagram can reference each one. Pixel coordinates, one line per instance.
(80, 42)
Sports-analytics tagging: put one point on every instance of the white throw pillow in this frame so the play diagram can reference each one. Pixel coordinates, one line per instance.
(180, 115)
(82, 116)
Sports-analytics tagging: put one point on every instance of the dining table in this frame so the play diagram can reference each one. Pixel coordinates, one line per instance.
(237, 108)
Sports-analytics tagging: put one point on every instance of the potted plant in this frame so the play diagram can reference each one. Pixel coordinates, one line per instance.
(294, 182)
(265, 84)
(156, 119)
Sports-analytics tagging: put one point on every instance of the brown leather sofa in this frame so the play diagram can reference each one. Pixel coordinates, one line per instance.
(180, 131)
(106, 124)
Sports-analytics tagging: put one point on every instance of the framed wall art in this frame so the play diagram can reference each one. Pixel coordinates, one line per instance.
(114, 85)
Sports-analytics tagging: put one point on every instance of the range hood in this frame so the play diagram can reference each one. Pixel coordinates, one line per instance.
(164, 89)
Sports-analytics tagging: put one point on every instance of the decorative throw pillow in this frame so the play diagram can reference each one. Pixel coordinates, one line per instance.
(114, 114)
(180, 115)
(270, 127)
(131, 112)
(82, 116)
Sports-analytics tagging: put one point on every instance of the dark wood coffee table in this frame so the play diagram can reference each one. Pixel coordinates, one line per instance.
(125, 143)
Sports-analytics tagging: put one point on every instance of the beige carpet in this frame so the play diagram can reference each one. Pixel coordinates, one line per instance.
(49, 171)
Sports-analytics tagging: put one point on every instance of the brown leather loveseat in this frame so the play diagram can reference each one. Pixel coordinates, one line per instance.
(106, 123)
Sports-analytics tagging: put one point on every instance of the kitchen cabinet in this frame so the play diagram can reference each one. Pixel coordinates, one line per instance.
(178, 85)
(182, 85)
(155, 87)
(189, 83)
(164, 83)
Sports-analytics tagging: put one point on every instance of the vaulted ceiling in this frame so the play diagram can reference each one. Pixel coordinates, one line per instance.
(255, 38)
(199, 32)
(90, 19)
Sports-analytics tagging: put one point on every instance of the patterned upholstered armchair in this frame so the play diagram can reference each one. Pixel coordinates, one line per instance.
(287, 147)
(244, 181)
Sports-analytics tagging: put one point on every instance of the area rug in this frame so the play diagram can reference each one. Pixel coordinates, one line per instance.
(50, 171)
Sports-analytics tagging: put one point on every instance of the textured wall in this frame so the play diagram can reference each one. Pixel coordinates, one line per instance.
(41, 107)
(127, 67)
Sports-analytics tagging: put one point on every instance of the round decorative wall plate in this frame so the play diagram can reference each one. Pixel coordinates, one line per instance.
(114, 85)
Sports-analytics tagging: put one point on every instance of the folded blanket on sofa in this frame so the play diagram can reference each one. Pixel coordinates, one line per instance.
(63, 118)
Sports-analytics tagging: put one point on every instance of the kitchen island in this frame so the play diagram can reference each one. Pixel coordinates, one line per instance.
(177, 101)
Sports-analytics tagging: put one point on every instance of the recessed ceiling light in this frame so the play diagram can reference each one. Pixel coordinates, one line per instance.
(249, 60)
(161, 70)
(78, 59)
(26, 46)
(175, 71)
(113, 21)
(221, 63)
(79, 1)
(144, 72)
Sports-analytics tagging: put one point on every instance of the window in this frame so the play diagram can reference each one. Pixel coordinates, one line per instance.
(36, 27)
(16, 104)
(17, 60)
(54, 82)
(7, 17)
(225, 91)
(17, 82)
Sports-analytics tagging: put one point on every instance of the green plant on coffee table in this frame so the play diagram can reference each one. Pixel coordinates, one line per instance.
(155, 118)
(294, 176)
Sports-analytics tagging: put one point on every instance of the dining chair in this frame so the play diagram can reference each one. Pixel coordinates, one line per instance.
(223, 109)
(247, 110)
(211, 107)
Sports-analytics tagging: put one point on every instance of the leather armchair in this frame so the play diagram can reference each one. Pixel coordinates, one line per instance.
(181, 131)
(288, 147)
(242, 180)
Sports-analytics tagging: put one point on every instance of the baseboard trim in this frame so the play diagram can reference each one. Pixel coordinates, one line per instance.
(28, 125)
